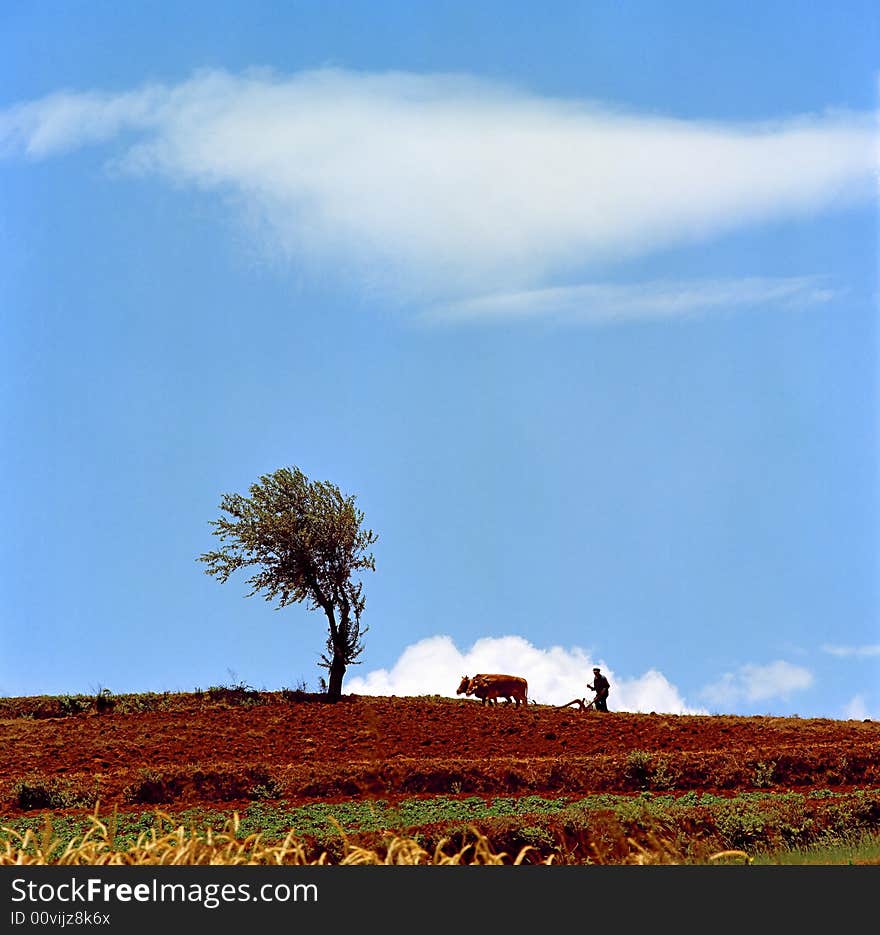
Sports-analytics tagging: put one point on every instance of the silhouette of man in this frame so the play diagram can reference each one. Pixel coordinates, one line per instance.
(601, 686)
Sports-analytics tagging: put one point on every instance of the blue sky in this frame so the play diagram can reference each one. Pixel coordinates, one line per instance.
(580, 304)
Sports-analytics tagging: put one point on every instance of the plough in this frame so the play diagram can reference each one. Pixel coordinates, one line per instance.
(582, 703)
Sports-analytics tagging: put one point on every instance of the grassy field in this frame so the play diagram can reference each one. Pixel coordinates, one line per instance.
(762, 827)
(861, 850)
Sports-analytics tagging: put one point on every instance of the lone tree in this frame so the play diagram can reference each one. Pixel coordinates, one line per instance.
(307, 541)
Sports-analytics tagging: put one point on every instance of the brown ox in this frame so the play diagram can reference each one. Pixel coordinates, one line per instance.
(489, 687)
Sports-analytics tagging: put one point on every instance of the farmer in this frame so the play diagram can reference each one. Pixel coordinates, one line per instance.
(601, 686)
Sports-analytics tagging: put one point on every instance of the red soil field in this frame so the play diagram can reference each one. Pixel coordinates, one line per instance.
(199, 748)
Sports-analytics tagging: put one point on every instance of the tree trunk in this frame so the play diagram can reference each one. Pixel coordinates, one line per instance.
(337, 672)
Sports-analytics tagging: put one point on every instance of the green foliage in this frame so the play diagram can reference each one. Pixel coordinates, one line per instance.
(267, 789)
(42, 792)
(74, 704)
(856, 849)
(526, 804)
(536, 836)
(789, 825)
(643, 770)
(144, 701)
(307, 543)
(741, 825)
(666, 774)
(159, 787)
(764, 774)
(639, 768)
(102, 702)
(239, 694)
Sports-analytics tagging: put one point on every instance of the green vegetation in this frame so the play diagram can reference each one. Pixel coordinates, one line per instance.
(40, 792)
(155, 787)
(779, 828)
(860, 850)
(235, 694)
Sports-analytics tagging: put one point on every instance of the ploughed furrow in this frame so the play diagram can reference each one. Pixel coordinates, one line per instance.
(246, 746)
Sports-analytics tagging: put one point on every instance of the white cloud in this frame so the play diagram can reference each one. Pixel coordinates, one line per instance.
(856, 709)
(438, 187)
(751, 683)
(556, 675)
(67, 119)
(607, 302)
(858, 651)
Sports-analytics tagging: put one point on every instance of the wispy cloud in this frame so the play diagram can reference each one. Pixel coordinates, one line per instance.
(439, 187)
(600, 303)
(556, 675)
(853, 651)
(68, 119)
(752, 683)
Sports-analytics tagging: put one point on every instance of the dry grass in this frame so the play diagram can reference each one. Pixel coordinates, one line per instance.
(169, 844)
